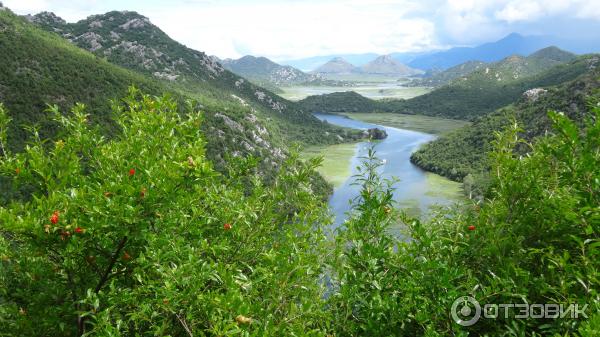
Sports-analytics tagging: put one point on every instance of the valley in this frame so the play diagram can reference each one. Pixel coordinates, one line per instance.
(298, 168)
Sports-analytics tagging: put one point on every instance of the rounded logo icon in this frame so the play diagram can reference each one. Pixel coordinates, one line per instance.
(466, 311)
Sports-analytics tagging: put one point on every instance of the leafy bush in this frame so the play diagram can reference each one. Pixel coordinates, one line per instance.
(139, 236)
(534, 241)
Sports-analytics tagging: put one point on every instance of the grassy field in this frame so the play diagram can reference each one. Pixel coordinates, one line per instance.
(336, 164)
(431, 125)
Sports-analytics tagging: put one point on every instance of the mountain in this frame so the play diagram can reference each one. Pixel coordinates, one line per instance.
(386, 65)
(464, 151)
(336, 65)
(434, 78)
(515, 66)
(489, 52)
(309, 64)
(39, 68)
(496, 85)
(130, 40)
(261, 70)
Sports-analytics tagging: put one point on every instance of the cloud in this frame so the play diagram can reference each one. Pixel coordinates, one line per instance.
(284, 29)
(298, 29)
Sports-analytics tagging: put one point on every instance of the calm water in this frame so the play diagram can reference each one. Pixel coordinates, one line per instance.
(414, 190)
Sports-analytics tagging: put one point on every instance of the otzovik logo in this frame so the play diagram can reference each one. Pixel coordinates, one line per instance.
(466, 311)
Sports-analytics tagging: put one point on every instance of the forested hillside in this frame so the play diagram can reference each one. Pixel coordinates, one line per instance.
(440, 77)
(40, 68)
(486, 90)
(466, 151)
(130, 40)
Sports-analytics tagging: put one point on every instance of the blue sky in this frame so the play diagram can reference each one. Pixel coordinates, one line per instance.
(288, 29)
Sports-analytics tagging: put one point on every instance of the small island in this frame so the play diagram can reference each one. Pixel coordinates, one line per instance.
(375, 133)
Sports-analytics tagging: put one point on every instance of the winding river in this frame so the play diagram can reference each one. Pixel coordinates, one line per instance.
(416, 190)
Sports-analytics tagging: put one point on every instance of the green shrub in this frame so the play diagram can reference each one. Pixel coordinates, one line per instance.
(138, 235)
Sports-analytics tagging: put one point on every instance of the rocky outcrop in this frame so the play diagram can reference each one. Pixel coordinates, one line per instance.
(532, 95)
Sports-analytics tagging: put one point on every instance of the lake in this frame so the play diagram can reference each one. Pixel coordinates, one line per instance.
(417, 191)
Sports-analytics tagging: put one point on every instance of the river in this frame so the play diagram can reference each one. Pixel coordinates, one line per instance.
(416, 190)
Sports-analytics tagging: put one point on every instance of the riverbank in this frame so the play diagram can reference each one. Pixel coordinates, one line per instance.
(416, 191)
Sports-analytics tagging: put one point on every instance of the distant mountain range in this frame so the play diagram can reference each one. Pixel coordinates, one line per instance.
(440, 60)
(473, 95)
(382, 65)
(512, 67)
(386, 65)
(488, 52)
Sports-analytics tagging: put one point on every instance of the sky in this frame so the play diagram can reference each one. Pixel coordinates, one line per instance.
(294, 29)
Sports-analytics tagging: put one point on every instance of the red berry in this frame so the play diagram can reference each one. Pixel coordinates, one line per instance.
(471, 228)
(126, 256)
(78, 230)
(227, 226)
(131, 172)
(54, 218)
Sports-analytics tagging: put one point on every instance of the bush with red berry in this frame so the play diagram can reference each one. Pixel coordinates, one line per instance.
(137, 235)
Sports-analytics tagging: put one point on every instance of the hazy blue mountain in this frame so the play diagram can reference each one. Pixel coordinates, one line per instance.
(386, 65)
(488, 52)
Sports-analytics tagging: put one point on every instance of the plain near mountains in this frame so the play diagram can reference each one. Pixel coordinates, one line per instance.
(382, 65)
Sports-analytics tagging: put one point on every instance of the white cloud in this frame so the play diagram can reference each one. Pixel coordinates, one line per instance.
(283, 29)
(298, 29)
(532, 10)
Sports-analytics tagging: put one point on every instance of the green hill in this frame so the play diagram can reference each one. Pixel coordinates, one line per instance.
(488, 89)
(130, 40)
(347, 101)
(444, 77)
(40, 68)
(465, 151)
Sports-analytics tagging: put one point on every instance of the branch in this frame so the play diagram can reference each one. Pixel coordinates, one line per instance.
(113, 260)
